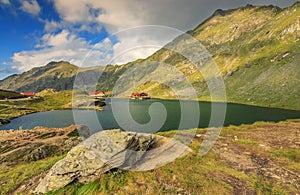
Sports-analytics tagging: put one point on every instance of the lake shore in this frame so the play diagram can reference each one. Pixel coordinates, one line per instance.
(15, 108)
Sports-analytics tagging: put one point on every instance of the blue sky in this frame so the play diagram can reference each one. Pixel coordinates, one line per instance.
(92, 32)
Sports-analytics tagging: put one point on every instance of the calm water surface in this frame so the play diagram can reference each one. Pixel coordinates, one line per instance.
(165, 115)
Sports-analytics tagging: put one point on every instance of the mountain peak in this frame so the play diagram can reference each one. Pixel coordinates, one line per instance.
(219, 12)
(55, 63)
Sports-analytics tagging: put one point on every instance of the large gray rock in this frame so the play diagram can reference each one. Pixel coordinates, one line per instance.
(111, 149)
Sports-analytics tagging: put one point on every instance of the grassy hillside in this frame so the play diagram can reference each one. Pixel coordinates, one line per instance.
(18, 107)
(256, 49)
(56, 75)
(9, 95)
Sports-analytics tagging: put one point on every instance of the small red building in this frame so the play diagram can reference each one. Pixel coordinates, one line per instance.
(140, 96)
(97, 93)
(28, 94)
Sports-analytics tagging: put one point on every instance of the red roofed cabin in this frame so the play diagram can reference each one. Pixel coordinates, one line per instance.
(97, 94)
(140, 96)
(28, 94)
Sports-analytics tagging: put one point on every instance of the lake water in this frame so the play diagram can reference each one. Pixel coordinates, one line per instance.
(165, 115)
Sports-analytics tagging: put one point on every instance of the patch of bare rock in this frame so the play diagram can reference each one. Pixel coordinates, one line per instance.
(111, 149)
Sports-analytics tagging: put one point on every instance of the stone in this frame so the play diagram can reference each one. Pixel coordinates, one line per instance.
(111, 149)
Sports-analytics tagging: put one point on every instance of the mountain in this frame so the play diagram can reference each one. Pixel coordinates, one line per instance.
(58, 75)
(256, 49)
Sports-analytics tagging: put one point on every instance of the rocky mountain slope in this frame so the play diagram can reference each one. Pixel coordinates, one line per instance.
(256, 49)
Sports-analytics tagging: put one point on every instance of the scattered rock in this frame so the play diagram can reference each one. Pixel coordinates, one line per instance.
(88, 103)
(247, 65)
(286, 54)
(32, 152)
(3, 122)
(17, 146)
(110, 149)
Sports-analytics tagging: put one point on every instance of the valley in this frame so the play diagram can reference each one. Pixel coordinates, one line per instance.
(254, 53)
(255, 48)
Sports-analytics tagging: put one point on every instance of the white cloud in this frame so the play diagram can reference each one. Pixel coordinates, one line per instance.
(5, 1)
(122, 14)
(132, 44)
(141, 42)
(76, 11)
(63, 46)
(31, 6)
(51, 26)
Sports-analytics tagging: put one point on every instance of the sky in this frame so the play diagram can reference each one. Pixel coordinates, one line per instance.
(97, 32)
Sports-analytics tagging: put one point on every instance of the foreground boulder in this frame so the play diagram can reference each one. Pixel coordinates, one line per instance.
(110, 149)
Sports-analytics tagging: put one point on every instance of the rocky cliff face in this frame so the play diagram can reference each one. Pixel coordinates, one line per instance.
(110, 149)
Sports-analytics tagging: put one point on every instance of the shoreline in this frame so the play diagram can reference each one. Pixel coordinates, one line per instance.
(4, 121)
(7, 121)
(206, 101)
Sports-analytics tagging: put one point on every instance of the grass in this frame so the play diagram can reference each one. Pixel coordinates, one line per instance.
(12, 177)
(291, 154)
(16, 108)
(52, 101)
(247, 142)
(263, 186)
(9, 94)
(192, 174)
(182, 175)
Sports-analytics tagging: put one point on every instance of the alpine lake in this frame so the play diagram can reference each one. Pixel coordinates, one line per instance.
(153, 115)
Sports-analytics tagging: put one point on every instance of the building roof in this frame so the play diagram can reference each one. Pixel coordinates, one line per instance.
(97, 92)
(27, 93)
(94, 93)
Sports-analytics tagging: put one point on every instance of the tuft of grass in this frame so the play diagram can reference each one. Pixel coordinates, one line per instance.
(262, 186)
(291, 154)
(247, 142)
(74, 133)
(12, 177)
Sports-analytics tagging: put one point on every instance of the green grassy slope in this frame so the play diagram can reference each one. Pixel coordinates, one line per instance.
(56, 75)
(10, 109)
(256, 49)
(9, 95)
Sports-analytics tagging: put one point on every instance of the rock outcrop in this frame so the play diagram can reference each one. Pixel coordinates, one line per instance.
(110, 149)
(19, 146)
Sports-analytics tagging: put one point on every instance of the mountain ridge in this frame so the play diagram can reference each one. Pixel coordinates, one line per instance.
(256, 49)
